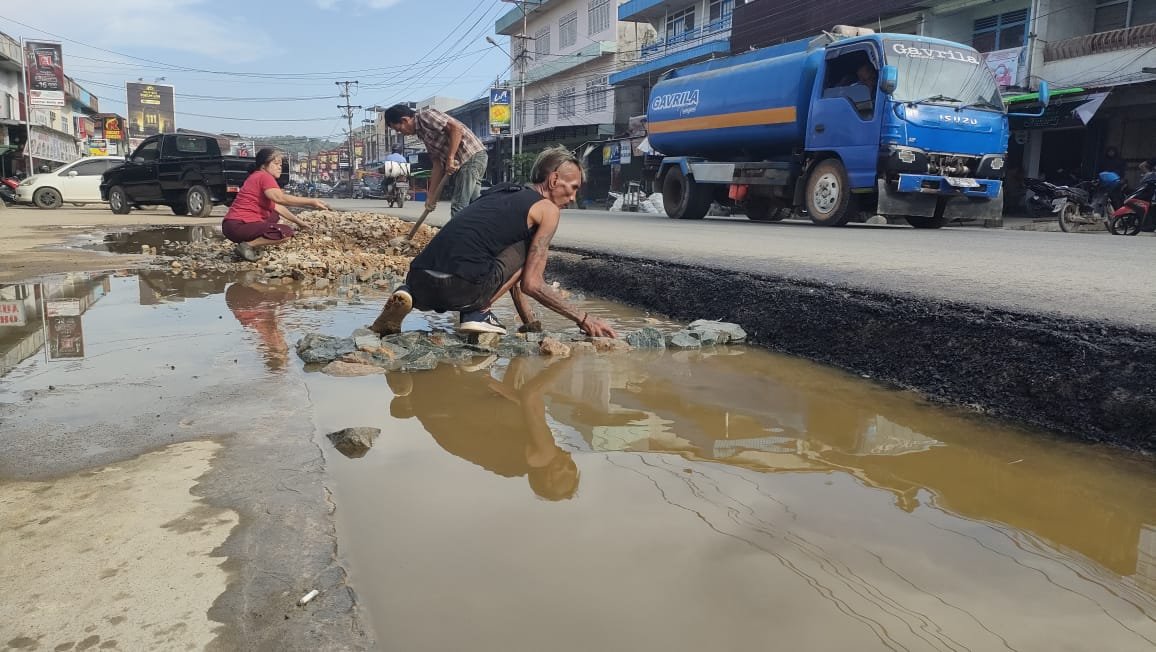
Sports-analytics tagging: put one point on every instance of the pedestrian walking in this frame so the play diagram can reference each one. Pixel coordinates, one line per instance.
(495, 245)
(452, 147)
(254, 218)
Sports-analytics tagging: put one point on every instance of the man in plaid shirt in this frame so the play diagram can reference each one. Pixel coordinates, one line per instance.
(452, 148)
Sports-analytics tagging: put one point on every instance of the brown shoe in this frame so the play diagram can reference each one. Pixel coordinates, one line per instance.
(395, 310)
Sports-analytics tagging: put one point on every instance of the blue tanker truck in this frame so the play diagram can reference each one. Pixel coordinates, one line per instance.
(844, 126)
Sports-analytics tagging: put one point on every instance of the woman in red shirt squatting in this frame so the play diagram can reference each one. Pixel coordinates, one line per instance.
(253, 219)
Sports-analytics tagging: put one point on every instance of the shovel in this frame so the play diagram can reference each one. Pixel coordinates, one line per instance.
(403, 244)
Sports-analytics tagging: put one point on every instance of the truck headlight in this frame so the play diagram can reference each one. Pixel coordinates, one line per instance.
(906, 155)
(997, 163)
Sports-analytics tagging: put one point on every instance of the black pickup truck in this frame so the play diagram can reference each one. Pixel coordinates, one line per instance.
(185, 172)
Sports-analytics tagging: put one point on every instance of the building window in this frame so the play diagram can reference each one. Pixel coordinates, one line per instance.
(679, 23)
(568, 30)
(599, 16)
(1001, 32)
(720, 9)
(596, 94)
(1118, 14)
(542, 42)
(566, 103)
(541, 110)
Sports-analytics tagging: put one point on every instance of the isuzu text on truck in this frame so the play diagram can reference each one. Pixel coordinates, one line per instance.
(845, 126)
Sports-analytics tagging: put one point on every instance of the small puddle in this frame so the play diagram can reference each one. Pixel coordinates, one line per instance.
(723, 499)
(166, 241)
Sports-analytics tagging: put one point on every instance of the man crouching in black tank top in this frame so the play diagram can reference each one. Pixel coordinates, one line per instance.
(497, 244)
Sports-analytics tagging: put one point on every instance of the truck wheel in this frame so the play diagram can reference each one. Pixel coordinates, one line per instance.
(199, 202)
(179, 209)
(764, 209)
(47, 198)
(828, 193)
(682, 198)
(118, 201)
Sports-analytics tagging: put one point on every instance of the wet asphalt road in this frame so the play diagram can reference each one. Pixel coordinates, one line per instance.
(1091, 276)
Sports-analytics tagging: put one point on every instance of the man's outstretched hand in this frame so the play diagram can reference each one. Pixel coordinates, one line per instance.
(595, 327)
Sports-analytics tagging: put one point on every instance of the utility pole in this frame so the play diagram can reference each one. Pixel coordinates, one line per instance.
(348, 108)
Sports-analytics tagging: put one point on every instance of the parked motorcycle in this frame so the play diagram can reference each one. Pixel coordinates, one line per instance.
(8, 190)
(1136, 214)
(1083, 203)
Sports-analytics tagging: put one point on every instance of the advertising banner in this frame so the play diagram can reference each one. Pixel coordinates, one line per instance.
(150, 110)
(98, 147)
(44, 64)
(1005, 64)
(12, 313)
(112, 128)
(500, 111)
(52, 146)
(358, 149)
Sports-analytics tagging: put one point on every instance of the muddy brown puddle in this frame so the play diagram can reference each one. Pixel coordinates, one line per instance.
(727, 499)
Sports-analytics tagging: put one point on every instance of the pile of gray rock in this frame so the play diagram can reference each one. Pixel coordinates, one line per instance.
(365, 353)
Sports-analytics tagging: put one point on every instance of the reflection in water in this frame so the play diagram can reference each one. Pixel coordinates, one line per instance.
(164, 240)
(498, 425)
(257, 306)
(51, 311)
(792, 417)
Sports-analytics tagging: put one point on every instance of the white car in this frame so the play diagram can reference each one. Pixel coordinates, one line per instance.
(77, 182)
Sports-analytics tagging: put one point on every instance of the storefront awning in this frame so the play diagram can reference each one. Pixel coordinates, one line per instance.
(1068, 108)
(1035, 97)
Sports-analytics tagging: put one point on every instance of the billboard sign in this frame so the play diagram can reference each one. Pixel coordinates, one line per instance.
(150, 110)
(44, 63)
(500, 113)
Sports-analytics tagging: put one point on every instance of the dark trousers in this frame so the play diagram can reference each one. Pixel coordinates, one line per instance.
(441, 292)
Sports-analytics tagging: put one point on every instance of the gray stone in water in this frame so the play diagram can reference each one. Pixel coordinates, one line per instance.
(370, 342)
(422, 359)
(720, 331)
(684, 340)
(407, 340)
(321, 283)
(647, 338)
(354, 442)
(514, 347)
(318, 348)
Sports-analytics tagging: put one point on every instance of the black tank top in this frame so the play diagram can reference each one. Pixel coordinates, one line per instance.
(468, 244)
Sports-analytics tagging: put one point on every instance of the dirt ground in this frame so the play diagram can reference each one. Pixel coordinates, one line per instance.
(28, 238)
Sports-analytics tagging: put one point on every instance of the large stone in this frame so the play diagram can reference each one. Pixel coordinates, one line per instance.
(717, 332)
(343, 369)
(406, 340)
(486, 340)
(684, 340)
(609, 345)
(647, 338)
(583, 347)
(317, 348)
(354, 442)
(419, 359)
(551, 346)
(370, 342)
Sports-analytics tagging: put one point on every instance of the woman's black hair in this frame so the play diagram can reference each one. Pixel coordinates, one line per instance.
(264, 155)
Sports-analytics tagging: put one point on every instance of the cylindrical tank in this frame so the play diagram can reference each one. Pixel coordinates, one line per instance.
(749, 106)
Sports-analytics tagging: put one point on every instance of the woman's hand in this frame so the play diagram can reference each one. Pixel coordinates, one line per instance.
(319, 205)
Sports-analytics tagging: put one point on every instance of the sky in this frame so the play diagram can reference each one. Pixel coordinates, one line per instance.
(268, 67)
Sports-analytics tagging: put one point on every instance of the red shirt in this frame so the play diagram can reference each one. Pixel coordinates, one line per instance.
(251, 204)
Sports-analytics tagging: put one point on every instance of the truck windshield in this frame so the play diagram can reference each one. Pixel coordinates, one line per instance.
(942, 74)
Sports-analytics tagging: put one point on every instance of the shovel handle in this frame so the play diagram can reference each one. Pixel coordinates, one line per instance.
(425, 213)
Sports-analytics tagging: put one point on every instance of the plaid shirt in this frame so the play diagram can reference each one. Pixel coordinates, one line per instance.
(431, 125)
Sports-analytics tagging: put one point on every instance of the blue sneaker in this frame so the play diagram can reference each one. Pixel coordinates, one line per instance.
(480, 321)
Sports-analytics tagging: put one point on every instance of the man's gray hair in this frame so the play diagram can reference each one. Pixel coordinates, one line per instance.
(550, 160)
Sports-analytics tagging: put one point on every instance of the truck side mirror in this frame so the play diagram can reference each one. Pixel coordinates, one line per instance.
(889, 79)
(1045, 93)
